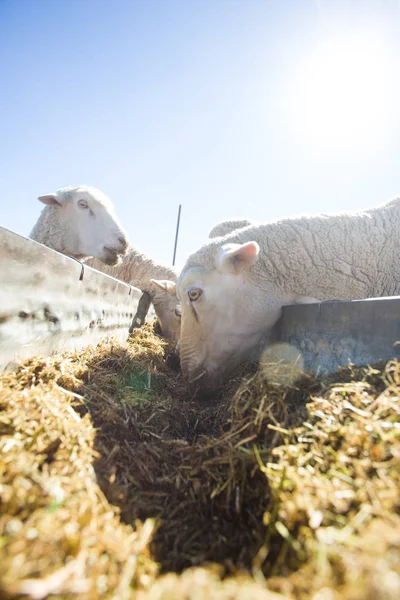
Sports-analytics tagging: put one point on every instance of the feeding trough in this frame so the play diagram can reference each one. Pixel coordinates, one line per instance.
(50, 302)
(329, 335)
(116, 482)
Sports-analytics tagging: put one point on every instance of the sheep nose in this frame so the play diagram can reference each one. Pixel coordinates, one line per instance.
(123, 241)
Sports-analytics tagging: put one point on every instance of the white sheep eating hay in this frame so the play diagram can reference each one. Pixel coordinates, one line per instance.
(81, 222)
(138, 270)
(233, 288)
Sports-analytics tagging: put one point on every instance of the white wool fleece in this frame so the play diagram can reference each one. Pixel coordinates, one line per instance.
(226, 227)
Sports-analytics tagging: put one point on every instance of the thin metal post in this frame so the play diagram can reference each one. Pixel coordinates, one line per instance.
(176, 234)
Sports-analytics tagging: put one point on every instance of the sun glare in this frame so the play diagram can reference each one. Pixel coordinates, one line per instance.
(341, 96)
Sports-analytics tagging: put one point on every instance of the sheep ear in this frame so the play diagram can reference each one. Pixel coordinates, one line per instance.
(50, 200)
(235, 258)
(164, 284)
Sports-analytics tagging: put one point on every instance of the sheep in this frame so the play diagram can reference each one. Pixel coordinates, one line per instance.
(81, 222)
(138, 269)
(233, 288)
(225, 227)
(165, 303)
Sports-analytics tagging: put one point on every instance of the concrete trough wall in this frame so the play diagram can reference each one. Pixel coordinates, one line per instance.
(332, 334)
(48, 303)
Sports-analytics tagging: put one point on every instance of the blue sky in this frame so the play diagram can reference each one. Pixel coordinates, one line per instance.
(232, 108)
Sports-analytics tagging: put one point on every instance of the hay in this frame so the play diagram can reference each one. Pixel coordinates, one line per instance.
(116, 482)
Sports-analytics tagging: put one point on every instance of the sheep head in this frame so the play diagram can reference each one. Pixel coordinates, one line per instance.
(222, 314)
(167, 308)
(87, 223)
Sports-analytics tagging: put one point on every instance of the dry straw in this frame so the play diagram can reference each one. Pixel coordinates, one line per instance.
(115, 482)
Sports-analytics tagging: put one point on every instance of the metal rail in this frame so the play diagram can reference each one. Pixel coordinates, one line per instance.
(324, 336)
(50, 302)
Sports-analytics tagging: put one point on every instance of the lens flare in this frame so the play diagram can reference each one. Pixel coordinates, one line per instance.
(282, 363)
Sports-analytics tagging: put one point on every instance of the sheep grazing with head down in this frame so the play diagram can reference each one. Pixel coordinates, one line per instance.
(233, 288)
(138, 270)
(81, 222)
(225, 227)
(156, 279)
(165, 302)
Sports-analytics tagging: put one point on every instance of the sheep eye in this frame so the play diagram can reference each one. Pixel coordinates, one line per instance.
(83, 204)
(194, 294)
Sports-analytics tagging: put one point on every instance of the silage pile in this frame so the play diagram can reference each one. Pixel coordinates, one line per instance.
(115, 482)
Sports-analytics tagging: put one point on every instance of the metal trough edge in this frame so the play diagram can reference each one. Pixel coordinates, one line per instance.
(50, 302)
(332, 334)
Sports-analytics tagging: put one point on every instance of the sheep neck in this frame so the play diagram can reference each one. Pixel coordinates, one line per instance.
(136, 268)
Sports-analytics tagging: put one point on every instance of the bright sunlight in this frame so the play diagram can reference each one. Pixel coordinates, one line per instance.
(341, 95)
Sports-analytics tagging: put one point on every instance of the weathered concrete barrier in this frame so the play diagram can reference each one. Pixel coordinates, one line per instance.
(332, 334)
(49, 302)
